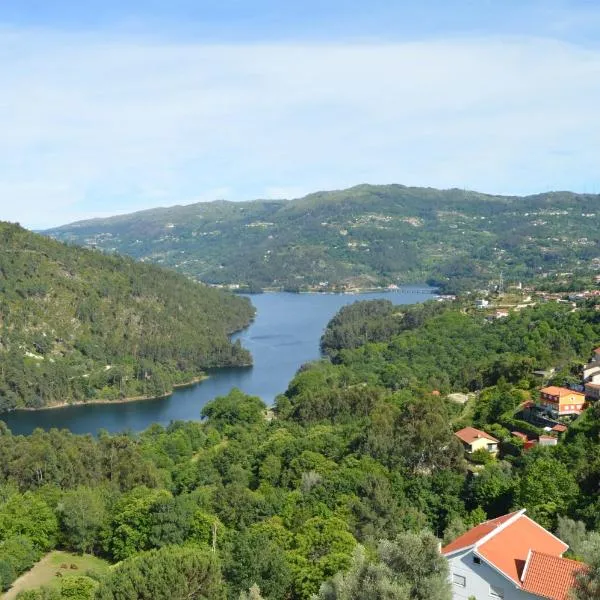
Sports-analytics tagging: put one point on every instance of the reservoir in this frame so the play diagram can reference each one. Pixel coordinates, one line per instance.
(284, 336)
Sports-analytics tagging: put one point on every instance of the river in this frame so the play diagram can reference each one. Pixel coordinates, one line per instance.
(284, 336)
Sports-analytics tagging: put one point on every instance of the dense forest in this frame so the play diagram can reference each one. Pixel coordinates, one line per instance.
(364, 236)
(77, 325)
(341, 495)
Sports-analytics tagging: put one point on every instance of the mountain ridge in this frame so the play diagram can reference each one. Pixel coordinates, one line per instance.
(361, 236)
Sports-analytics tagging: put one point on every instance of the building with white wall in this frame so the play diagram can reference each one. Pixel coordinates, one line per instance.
(510, 558)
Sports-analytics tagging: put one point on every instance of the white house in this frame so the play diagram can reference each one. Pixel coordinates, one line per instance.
(511, 558)
(591, 371)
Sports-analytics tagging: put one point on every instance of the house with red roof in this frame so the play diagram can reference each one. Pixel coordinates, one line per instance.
(511, 558)
(560, 401)
(475, 439)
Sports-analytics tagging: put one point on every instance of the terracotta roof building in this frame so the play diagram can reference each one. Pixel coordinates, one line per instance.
(510, 557)
(559, 401)
(475, 439)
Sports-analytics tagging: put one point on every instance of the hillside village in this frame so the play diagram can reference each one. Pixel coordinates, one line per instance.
(550, 413)
(512, 556)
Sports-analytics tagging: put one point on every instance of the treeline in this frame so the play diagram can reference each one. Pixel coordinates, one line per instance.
(76, 325)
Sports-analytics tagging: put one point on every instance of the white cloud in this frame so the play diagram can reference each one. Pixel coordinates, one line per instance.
(99, 126)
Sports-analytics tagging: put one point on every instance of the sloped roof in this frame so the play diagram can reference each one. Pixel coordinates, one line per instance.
(550, 576)
(476, 534)
(554, 390)
(470, 434)
(508, 549)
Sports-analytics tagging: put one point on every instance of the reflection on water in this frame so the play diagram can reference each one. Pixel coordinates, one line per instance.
(284, 335)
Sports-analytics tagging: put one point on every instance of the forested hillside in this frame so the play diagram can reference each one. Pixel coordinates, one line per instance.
(363, 236)
(76, 325)
(440, 346)
(339, 496)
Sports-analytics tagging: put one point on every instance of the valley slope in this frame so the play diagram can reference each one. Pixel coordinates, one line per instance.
(77, 325)
(360, 237)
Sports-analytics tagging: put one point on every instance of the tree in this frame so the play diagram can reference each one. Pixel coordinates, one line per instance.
(364, 579)
(236, 408)
(177, 573)
(82, 514)
(322, 548)
(130, 529)
(547, 488)
(258, 557)
(408, 568)
(27, 514)
(587, 581)
(253, 594)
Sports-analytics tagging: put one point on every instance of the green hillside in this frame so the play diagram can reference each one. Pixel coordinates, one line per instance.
(366, 235)
(76, 325)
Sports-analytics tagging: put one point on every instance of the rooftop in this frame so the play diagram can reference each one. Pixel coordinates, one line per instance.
(476, 534)
(554, 390)
(550, 576)
(469, 434)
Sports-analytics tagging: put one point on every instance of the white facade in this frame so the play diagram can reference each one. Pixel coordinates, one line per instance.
(481, 581)
(591, 371)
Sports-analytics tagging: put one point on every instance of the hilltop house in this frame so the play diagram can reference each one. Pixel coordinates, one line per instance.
(475, 439)
(511, 558)
(560, 402)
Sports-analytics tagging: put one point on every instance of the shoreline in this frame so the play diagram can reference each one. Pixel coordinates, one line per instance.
(408, 288)
(127, 400)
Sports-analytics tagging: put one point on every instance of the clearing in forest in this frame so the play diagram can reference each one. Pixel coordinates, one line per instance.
(44, 571)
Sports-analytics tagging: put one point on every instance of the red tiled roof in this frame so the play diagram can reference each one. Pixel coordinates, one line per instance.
(470, 434)
(554, 390)
(476, 534)
(508, 549)
(596, 350)
(520, 435)
(550, 576)
(559, 427)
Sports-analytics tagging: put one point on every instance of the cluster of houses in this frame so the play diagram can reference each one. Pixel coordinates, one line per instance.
(553, 401)
(512, 557)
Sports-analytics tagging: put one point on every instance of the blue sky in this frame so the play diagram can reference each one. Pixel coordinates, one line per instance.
(115, 106)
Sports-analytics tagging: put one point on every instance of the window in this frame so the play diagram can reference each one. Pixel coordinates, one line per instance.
(496, 592)
(459, 580)
(477, 560)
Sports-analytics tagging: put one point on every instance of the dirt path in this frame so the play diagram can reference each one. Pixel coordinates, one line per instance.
(31, 578)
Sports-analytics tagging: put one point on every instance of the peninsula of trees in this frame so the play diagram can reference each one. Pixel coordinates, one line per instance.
(77, 325)
(362, 237)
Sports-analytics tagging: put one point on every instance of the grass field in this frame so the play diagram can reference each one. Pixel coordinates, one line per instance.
(44, 572)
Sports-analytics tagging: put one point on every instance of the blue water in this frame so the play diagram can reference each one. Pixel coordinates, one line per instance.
(284, 336)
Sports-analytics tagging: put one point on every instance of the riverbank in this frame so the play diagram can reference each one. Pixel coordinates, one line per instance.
(126, 400)
(408, 289)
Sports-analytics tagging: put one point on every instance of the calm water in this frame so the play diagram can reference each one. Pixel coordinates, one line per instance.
(284, 336)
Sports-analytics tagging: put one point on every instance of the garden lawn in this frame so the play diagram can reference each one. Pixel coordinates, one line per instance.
(44, 572)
